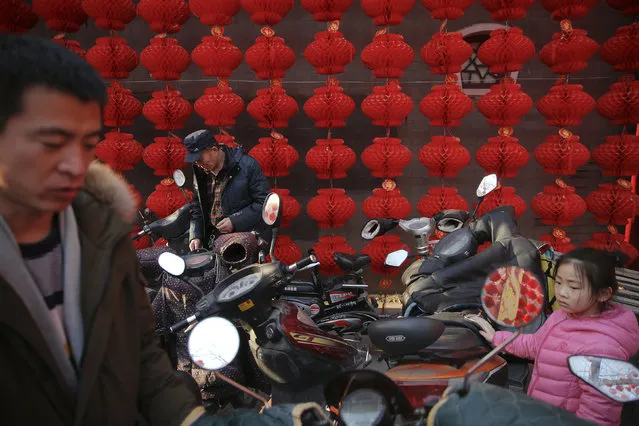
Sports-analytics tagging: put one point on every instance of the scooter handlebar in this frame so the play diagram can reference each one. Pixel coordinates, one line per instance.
(185, 323)
(303, 263)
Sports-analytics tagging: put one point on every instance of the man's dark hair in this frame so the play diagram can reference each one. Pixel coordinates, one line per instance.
(27, 62)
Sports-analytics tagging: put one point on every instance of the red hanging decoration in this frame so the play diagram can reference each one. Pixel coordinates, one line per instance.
(612, 242)
(164, 16)
(215, 12)
(507, 10)
(379, 248)
(216, 55)
(110, 14)
(388, 55)
(628, 7)
(558, 240)
(168, 110)
(119, 150)
(503, 196)
(565, 105)
(331, 208)
(226, 139)
(444, 156)
(502, 155)
(72, 45)
(613, 203)
(121, 108)
(440, 198)
(621, 104)
(330, 158)
(329, 106)
(569, 50)
(165, 155)
(506, 50)
(446, 9)
(269, 57)
(327, 246)
(387, 202)
(568, 9)
(219, 106)
(272, 108)
(387, 12)
(618, 156)
(386, 157)
(558, 204)
(286, 251)
(112, 57)
(446, 104)
(330, 52)
(505, 104)
(61, 15)
(622, 50)
(326, 10)
(267, 12)
(291, 208)
(160, 242)
(275, 155)
(165, 58)
(445, 53)
(561, 154)
(166, 198)
(387, 106)
(16, 16)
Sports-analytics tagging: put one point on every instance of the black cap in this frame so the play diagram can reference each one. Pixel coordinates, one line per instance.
(196, 143)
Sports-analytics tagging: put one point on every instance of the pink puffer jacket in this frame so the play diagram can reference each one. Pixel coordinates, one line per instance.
(614, 333)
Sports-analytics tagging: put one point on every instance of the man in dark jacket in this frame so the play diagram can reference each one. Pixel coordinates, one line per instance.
(229, 188)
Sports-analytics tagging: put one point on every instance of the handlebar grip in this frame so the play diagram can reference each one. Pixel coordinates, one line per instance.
(304, 262)
(140, 234)
(184, 323)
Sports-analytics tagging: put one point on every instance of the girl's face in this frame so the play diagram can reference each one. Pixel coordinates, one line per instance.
(573, 293)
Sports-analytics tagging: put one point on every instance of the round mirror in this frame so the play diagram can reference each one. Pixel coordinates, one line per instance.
(487, 185)
(172, 263)
(179, 178)
(396, 258)
(512, 296)
(363, 407)
(271, 209)
(617, 379)
(370, 229)
(213, 343)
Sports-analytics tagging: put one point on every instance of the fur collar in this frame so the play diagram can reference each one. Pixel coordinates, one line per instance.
(111, 188)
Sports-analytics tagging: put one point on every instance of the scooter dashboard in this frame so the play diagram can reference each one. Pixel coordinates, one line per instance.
(239, 288)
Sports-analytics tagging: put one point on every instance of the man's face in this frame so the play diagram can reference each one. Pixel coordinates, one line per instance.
(46, 149)
(210, 158)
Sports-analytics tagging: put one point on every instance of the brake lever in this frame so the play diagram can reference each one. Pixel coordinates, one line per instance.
(310, 266)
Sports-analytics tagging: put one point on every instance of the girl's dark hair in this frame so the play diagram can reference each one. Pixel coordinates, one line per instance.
(594, 267)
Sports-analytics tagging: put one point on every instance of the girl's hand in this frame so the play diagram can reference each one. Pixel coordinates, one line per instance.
(487, 330)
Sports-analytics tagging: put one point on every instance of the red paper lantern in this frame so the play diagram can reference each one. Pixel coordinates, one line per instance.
(16, 16)
(569, 51)
(166, 198)
(388, 202)
(503, 196)
(445, 53)
(270, 57)
(327, 246)
(621, 104)
(121, 108)
(330, 52)
(613, 243)
(331, 208)
(119, 150)
(160, 242)
(502, 155)
(286, 251)
(168, 110)
(275, 155)
(558, 240)
(330, 158)
(446, 105)
(388, 55)
(110, 14)
(628, 7)
(386, 157)
(565, 105)
(507, 10)
(444, 156)
(622, 50)
(387, 12)
(618, 156)
(142, 242)
(568, 9)
(272, 108)
(165, 58)
(446, 9)
(216, 55)
(440, 198)
(291, 208)
(165, 155)
(112, 57)
(226, 139)
(506, 50)
(613, 203)
(164, 16)
(561, 154)
(558, 204)
(61, 15)
(219, 106)
(379, 248)
(267, 12)
(329, 106)
(326, 10)
(215, 12)
(505, 104)
(72, 45)
(387, 106)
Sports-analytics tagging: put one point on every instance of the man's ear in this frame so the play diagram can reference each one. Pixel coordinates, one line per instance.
(604, 294)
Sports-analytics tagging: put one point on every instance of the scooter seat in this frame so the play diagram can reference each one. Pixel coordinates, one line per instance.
(351, 262)
(405, 336)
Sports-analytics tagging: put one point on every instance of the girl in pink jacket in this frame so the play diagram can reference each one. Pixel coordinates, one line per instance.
(587, 324)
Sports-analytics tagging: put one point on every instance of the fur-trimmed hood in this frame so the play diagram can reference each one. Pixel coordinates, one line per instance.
(111, 189)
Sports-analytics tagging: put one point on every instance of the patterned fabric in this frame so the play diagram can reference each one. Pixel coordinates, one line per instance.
(216, 187)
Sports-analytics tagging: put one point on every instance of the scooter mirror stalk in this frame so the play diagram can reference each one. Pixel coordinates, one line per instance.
(271, 215)
(617, 379)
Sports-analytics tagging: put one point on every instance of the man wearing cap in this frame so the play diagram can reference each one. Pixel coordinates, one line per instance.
(229, 188)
